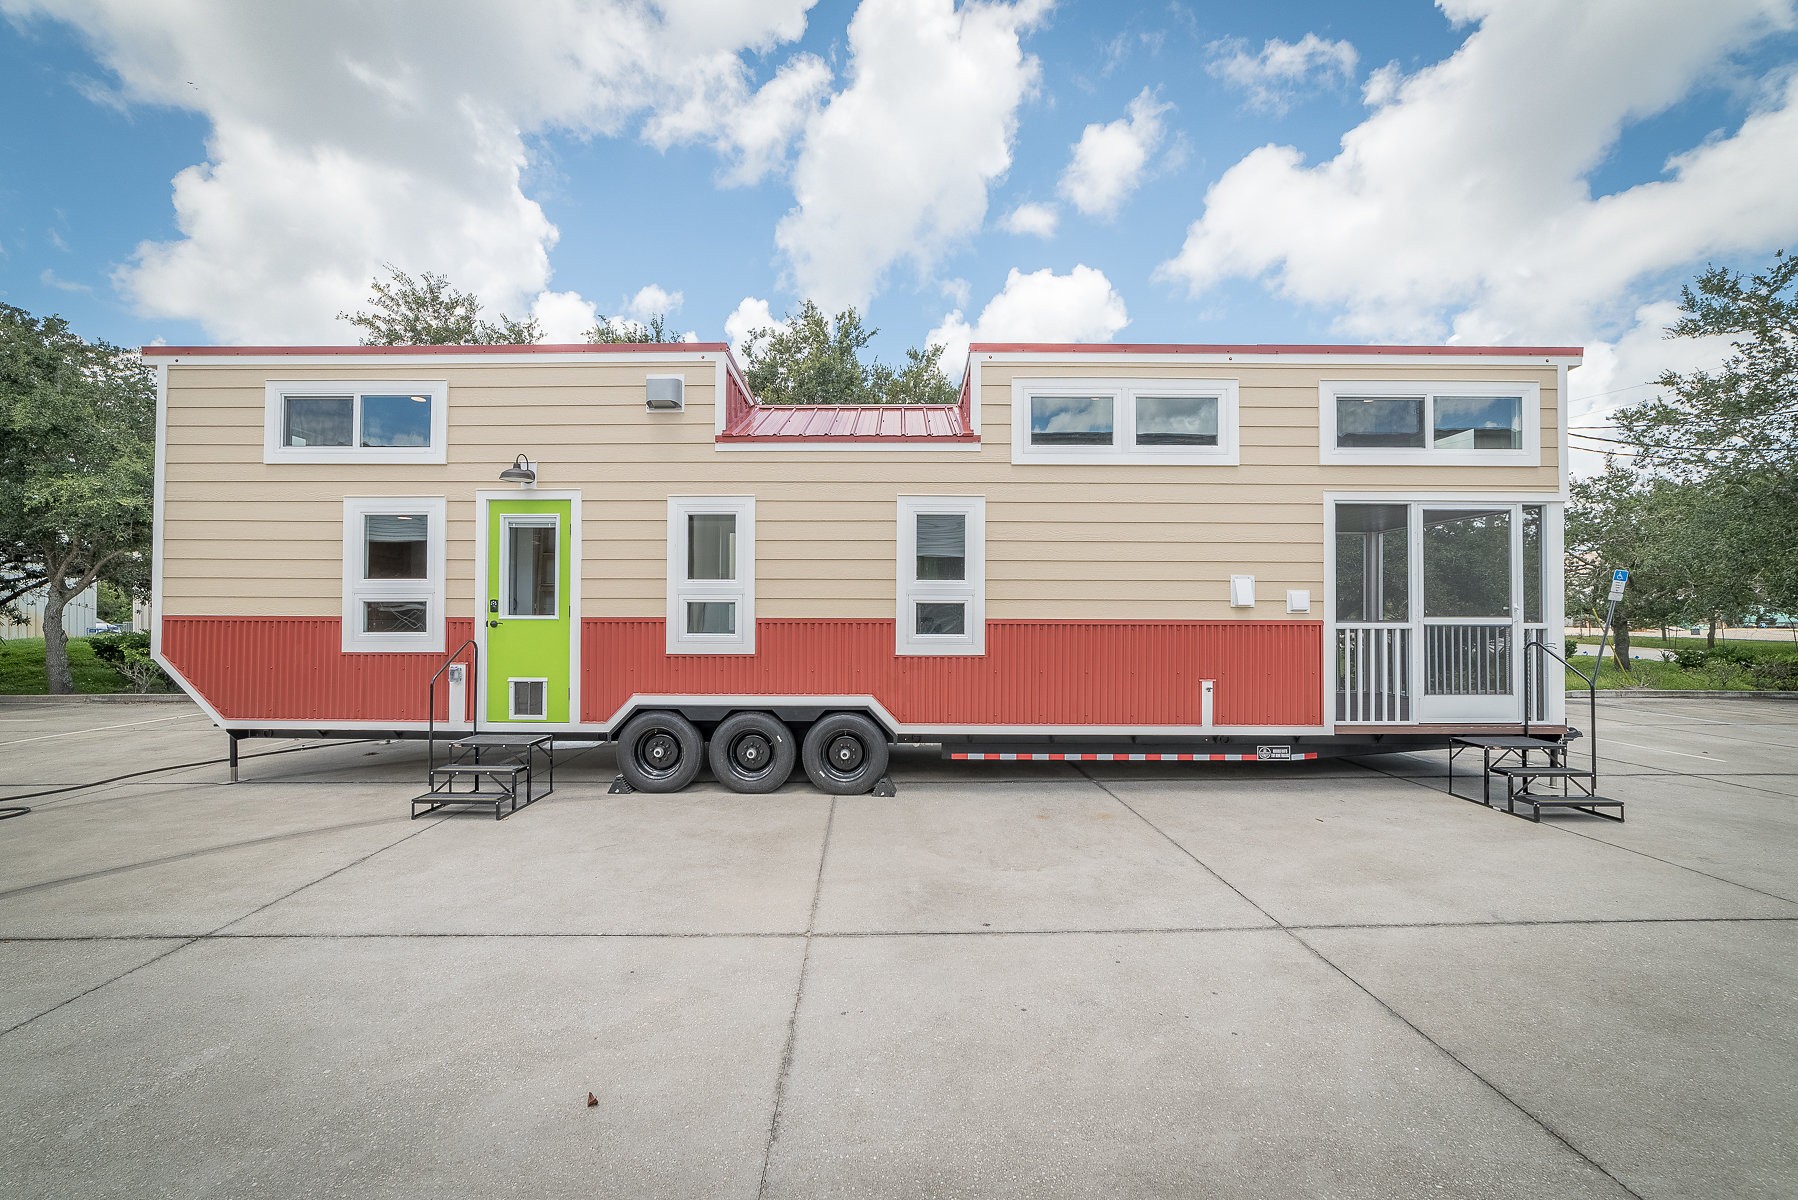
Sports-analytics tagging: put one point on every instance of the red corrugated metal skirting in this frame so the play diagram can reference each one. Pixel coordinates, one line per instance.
(294, 669)
(1033, 672)
(1128, 673)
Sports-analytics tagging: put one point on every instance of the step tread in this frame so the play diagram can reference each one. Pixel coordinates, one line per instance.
(1521, 772)
(479, 769)
(1576, 800)
(462, 797)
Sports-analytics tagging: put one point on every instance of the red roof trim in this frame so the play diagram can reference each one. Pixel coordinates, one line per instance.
(425, 351)
(1188, 348)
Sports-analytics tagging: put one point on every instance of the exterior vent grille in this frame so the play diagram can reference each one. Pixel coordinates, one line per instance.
(666, 393)
(528, 699)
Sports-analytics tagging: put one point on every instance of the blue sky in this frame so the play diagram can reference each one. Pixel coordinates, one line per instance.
(1506, 171)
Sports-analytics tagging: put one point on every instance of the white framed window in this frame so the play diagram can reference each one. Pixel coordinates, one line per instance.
(1387, 423)
(1191, 422)
(393, 574)
(362, 421)
(942, 575)
(711, 574)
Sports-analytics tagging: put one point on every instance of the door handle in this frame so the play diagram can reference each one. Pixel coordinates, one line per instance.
(493, 624)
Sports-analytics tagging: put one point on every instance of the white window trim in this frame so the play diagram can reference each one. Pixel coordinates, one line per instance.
(911, 590)
(1123, 394)
(357, 588)
(741, 590)
(507, 523)
(274, 411)
(1392, 456)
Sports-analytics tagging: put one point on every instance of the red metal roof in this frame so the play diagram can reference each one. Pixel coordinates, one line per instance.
(1214, 350)
(848, 423)
(374, 351)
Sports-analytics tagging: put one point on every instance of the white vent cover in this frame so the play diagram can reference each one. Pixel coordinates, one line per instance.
(666, 393)
(528, 696)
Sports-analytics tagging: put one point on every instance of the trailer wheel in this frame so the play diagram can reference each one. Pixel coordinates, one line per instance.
(752, 752)
(845, 754)
(659, 752)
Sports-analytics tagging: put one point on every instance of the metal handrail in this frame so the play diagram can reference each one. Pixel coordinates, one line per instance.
(1591, 695)
(474, 672)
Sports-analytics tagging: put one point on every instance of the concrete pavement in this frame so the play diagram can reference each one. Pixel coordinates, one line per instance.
(1012, 980)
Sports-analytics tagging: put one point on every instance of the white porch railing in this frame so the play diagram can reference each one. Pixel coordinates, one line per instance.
(1466, 660)
(1373, 674)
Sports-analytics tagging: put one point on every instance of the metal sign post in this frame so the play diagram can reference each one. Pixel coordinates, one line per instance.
(1619, 578)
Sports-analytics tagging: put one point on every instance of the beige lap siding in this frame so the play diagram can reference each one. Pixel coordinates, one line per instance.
(1101, 541)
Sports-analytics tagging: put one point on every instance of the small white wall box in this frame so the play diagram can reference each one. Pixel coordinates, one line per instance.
(1298, 601)
(666, 393)
(1242, 591)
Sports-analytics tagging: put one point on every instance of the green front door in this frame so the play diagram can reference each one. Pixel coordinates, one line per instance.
(528, 666)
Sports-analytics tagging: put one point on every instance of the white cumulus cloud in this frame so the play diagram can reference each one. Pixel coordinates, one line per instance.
(1462, 206)
(564, 316)
(1034, 220)
(1042, 306)
(1275, 77)
(752, 313)
(345, 135)
(1109, 160)
(896, 165)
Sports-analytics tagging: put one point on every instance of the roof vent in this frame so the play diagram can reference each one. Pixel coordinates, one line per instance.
(666, 393)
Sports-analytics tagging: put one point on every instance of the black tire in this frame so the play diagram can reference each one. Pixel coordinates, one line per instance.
(659, 752)
(752, 752)
(845, 754)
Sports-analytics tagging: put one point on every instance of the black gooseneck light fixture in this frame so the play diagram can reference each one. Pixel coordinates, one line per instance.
(522, 472)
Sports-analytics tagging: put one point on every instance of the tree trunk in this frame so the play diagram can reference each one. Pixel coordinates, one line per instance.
(56, 641)
(1620, 641)
(1710, 638)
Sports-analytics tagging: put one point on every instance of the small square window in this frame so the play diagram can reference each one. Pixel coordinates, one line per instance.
(711, 575)
(1375, 421)
(318, 420)
(1070, 420)
(1176, 420)
(397, 544)
(396, 421)
(1479, 422)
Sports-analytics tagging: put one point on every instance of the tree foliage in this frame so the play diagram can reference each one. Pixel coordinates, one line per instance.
(428, 311)
(1703, 507)
(620, 331)
(817, 360)
(77, 453)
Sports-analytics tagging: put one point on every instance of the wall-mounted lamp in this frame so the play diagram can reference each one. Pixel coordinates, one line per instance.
(520, 472)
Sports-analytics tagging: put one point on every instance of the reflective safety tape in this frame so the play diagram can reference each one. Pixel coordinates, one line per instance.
(981, 756)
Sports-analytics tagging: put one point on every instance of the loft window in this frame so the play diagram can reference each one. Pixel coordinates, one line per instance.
(385, 421)
(1385, 423)
(1164, 421)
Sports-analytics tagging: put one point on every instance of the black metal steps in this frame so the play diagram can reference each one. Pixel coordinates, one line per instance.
(1573, 801)
(506, 763)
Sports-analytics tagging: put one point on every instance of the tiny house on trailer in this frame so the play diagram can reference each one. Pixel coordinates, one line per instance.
(1110, 551)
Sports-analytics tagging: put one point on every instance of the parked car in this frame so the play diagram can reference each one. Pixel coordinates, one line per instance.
(106, 627)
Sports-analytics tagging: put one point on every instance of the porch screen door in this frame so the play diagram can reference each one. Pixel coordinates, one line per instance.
(1470, 619)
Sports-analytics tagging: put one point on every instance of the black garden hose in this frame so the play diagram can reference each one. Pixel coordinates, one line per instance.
(20, 810)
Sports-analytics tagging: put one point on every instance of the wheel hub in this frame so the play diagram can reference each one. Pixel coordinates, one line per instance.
(846, 753)
(660, 749)
(752, 751)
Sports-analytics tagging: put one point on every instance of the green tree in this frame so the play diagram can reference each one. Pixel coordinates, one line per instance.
(1733, 432)
(817, 360)
(77, 452)
(427, 311)
(618, 331)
